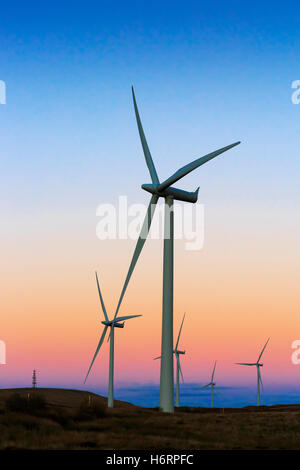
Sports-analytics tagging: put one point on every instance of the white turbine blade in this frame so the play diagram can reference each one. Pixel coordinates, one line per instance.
(159, 357)
(97, 350)
(146, 150)
(180, 332)
(101, 298)
(139, 246)
(126, 318)
(259, 378)
(205, 386)
(245, 364)
(192, 166)
(218, 391)
(263, 350)
(212, 377)
(180, 371)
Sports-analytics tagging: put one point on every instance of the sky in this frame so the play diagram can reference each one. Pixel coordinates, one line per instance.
(205, 75)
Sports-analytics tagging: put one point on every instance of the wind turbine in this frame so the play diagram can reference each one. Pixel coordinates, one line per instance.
(165, 190)
(177, 353)
(112, 324)
(258, 365)
(212, 385)
(179, 373)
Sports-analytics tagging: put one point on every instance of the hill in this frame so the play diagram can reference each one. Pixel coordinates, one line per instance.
(73, 419)
(60, 397)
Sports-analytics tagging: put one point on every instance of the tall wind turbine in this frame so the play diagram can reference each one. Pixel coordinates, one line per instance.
(179, 373)
(258, 365)
(112, 324)
(212, 385)
(165, 190)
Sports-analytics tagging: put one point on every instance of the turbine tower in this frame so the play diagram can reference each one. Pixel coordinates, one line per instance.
(112, 324)
(258, 365)
(212, 385)
(179, 373)
(165, 190)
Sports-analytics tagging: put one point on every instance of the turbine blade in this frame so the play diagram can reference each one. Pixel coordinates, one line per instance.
(212, 377)
(97, 350)
(159, 357)
(205, 386)
(245, 364)
(146, 150)
(263, 350)
(180, 332)
(218, 391)
(259, 377)
(139, 246)
(126, 318)
(192, 166)
(180, 371)
(101, 298)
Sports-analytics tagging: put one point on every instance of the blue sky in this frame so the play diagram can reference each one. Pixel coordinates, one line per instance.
(212, 73)
(206, 74)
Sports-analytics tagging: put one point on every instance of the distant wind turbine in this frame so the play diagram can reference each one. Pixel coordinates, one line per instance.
(112, 324)
(258, 365)
(177, 353)
(169, 193)
(179, 373)
(212, 386)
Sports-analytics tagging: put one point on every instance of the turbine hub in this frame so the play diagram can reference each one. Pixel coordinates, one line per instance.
(113, 323)
(151, 188)
(170, 191)
(180, 352)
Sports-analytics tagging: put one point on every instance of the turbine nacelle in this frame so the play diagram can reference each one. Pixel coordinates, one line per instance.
(178, 194)
(176, 351)
(113, 323)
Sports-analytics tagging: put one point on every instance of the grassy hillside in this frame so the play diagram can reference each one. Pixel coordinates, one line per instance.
(71, 419)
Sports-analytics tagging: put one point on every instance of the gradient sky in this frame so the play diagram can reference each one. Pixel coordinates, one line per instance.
(205, 75)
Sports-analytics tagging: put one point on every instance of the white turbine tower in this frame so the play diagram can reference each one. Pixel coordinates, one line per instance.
(258, 365)
(169, 193)
(212, 385)
(112, 324)
(179, 373)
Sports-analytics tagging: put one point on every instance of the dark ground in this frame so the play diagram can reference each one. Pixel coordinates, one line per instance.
(69, 419)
